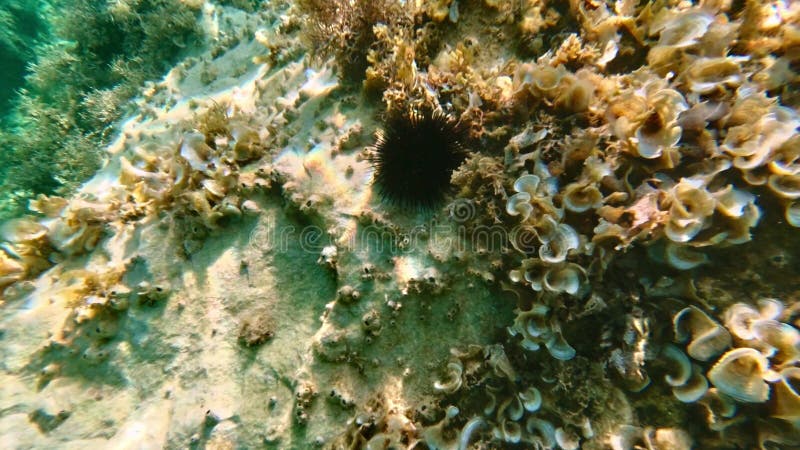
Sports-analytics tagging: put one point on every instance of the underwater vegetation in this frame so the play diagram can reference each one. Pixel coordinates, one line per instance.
(345, 30)
(21, 23)
(610, 261)
(78, 81)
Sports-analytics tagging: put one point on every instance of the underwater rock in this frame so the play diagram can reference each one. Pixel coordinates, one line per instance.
(240, 202)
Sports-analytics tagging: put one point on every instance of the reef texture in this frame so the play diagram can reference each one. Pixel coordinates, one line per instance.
(614, 264)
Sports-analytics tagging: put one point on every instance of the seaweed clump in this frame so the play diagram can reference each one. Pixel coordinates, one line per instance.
(345, 30)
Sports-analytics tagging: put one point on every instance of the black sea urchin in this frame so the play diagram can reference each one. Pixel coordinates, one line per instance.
(414, 157)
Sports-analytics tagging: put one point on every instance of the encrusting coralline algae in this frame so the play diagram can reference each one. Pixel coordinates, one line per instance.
(615, 258)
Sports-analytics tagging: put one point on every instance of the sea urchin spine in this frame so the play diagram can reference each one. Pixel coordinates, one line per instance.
(415, 155)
